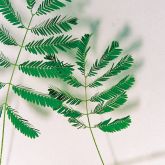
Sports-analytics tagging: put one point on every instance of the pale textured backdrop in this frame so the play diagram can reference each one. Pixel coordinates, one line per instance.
(61, 144)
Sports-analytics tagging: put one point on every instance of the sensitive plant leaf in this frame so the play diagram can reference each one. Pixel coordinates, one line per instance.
(7, 10)
(6, 38)
(117, 125)
(4, 61)
(76, 123)
(82, 52)
(124, 64)
(68, 112)
(71, 80)
(52, 45)
(36, 97)
(22, 124)
(64, 96)
(53, 26)
(30, 3)
(116, 90)
(2, 85)
(1, 110)
(111, 105)
(49, 6)
(111, 53)
(50, 69)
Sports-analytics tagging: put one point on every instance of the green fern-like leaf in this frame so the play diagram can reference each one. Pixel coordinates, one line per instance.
(36, 97)
(6, 38)
(53, 26)
(1, 110)
(4, 61)
(116, 90)
(2, 85)
(52, 45)
(30, 3)
(111, 53)
(71, 80)
(114, 126)
(9, 13)
(49, 69)
(49, 6)
(76, 123)
(111, 105)
(68, 112)
(82, 52)
(21, 124)
(64, 96)
(124, 64)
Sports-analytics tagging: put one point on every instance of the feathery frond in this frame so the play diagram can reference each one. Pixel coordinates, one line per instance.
(116, 90)
(4, 61)
(68, 112)
(50, 69)
(21, 124)
(124, 64)
(30, 3)
(71, 80)
(6, 38)
(1, 110)
(51, 45)
(114, 126)
(53, 26)
(48, 6)
(111, 105)
(111, 53)
(64, 96)
(2, 85)
(7, 10)
(36, 97)
(82, 52)
(76, 123)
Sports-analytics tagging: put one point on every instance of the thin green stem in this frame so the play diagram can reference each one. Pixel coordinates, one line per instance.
(89, 123)
(8, 91)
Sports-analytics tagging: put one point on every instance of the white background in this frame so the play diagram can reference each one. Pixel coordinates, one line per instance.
(61, 144)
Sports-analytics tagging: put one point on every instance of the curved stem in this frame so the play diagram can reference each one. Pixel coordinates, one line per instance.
(8, 91)
(89, 123)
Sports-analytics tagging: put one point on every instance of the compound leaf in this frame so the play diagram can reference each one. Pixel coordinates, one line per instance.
(30, 3)
(2, 85)
(21, 124)
(76, 123)
(116, 90)
(114, 126)
(111, 105)
(36, 97)
(124, 64)
(4, 61)
(82, 52)
(68, 112)
(50, 69)
(64, 96)
(111, 53)
(53, 26)
(6, 38)
(7, 10)
(48, 6)
(71, 80)
(51, 45)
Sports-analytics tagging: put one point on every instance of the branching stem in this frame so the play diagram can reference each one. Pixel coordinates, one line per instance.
(8, 91)
(89, 123)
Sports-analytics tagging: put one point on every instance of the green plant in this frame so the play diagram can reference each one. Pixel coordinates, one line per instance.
(105, 101)
(51, 67)
(49, 46)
